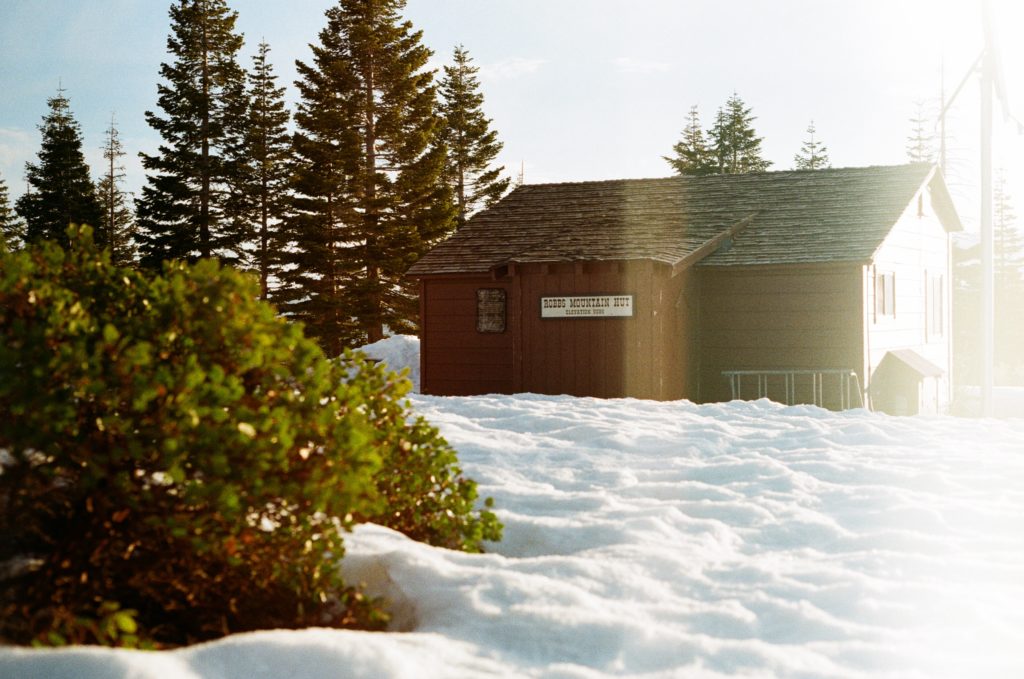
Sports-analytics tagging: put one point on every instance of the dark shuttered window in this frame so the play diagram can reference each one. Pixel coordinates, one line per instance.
(490, 310)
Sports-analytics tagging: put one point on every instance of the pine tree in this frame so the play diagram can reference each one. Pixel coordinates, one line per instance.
(966, 310)
(12, 230)
(692, 156)
(181, 210)
(471, 145)
(735, 146)
(117, 228)
(1008, 283)
(60, 191)
(263, 158)
(124, 250)
(813, 154)
(368, 175)
(920, 143)
(316, 271)
(1008, 245)
(1008, 293)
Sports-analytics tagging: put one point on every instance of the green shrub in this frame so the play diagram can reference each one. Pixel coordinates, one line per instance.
(109, 626)
(420, 486)
(173, 446)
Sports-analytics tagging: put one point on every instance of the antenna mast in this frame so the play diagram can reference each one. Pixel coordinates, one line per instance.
(942, 116)
(987, 64)
(992, 85)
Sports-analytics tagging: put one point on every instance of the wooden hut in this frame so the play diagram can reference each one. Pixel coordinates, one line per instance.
(790, 285)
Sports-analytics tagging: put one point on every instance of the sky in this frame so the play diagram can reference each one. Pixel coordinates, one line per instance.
(740, 540)
(576, 89)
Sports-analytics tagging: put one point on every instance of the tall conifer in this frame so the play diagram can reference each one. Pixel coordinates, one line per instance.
(921, 142)
(1008, 274)
(813, 154)
(317, 272)
(691, 153)
(735, 146)
(202, 98)
(368, 175)
(60, 191)
(470, 142)
(263, 160)
(118, 224)
(1008, 245)
(12, 230)
(1008, 293)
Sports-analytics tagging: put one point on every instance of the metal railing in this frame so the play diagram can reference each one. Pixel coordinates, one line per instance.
(847, 385)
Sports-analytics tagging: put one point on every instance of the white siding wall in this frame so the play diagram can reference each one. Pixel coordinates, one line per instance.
(918, 247)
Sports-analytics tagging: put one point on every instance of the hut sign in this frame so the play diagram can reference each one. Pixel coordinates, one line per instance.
(586, 307)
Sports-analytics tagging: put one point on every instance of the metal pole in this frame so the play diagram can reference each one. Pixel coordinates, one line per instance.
(942, 121)
(987, 278)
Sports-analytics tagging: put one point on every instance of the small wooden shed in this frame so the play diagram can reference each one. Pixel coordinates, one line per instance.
(733, 286)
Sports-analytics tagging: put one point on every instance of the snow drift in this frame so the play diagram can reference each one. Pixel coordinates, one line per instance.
(649, 539)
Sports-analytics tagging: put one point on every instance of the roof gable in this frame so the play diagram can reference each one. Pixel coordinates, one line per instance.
(770, 218)
(913, 361)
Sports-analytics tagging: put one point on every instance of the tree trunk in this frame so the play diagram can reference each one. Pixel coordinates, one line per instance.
(264, 218)
(204, 163)
(373, 324)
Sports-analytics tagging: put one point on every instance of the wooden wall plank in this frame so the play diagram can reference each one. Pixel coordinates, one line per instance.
(784, 322)
(454, 356)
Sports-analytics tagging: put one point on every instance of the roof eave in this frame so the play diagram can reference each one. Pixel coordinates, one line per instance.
(943, 202)
(711, 245)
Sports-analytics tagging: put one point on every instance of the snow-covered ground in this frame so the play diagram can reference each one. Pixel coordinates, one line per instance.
(652, 539)
(397, 353)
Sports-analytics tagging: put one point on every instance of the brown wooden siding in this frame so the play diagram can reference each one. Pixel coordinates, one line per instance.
(777, 318)
(455, 359)
(574, 356)
(681, 330)
(642, 356)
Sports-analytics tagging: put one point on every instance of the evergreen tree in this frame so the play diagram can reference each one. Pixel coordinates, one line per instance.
(181, 211)
(966, 310)
(920, 143)
(117, 228)
(1008, 293)
(471, 145)
(263, 159)
(735, 146)
(368, 175)
(692, 156)
(12, 231)
(60, 191)
(1008, 285)
(1008, 246)
(813, 154)
(316, 271)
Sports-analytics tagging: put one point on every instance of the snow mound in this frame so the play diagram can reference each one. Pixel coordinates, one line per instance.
(399, 352)
(745, 539)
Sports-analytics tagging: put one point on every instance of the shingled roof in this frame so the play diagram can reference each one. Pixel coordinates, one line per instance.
(806, 216)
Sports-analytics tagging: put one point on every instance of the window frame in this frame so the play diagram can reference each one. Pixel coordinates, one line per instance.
(935, 306)
(487, 319)
(885, 294)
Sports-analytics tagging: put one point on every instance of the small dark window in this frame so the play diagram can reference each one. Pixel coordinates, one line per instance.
(885, 294)
(490, 310)
(934, 300)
